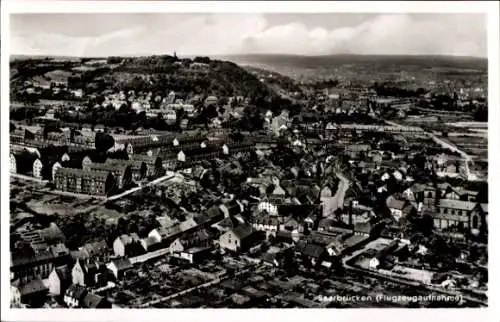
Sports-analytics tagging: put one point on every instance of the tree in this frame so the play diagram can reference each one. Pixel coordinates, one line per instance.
(103, 142)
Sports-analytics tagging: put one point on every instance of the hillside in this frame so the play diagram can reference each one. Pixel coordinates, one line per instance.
(156, 74)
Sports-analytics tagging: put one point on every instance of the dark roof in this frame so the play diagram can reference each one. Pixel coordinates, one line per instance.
(92, 300)
(326, 222)
(242, 231)
(52, 233)
(363, 227)
(122, 263)
(457, 204)
(96, 248)
(32, 287)
(310, 249)
(82, 173)
(64, 273)
(76, 292)
(396, 204)
(109, 166)
(232, 207)
(321, 238)
(20, 259)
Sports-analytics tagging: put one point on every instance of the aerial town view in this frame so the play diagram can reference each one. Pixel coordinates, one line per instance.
(267, 175)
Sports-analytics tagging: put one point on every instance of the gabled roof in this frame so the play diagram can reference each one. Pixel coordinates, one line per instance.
(128, 239)
(92, 300)
(32, 287)
(95, 248)
(76, 292)
(63, 272)
(242, 231)
(309, 249)
(122, 263)
(79, 173)
(396, 204)
(457, 204)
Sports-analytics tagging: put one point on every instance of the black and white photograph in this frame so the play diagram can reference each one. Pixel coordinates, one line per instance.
(246, 160)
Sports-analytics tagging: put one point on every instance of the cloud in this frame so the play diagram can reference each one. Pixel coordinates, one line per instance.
(214, 34)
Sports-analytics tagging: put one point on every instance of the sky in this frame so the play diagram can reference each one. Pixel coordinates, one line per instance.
(209, 34)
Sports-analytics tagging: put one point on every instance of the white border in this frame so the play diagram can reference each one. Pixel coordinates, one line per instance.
(491, 8)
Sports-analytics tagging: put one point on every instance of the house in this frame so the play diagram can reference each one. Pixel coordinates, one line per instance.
(287, 236)
(120, 267)
(232, 208)
(82, 181)
(382, 254)
(149, 244)
(457, 213)
(357, 150)
(59, 280)
(386, 176)
(311, 252)
(240, 238)
(120, 169)
(327, 224)
(127, 245)
(269, 206)
(398, 208)
(195, 254)
(291, 223)
(365, 228)
(15, 297)
(12, 163)
(415, 193)
(28, 266)
(398, 175)
(32, 293)
(88, 273)
(94, 301)
(37, 169)
(96, 251)
(266, 222)
(74, 295)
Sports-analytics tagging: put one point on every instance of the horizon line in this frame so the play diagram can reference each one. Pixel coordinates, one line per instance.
(255, 54)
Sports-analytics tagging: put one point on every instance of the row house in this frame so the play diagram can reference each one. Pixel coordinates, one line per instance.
(32, 293)
(121, 171)
(154, 164)
(89, 273)
(462, 214)
(29, 266)
(267, 222)
(96, 183)
(127, 245)
(356, 150)
(240, 239)
(59, 280)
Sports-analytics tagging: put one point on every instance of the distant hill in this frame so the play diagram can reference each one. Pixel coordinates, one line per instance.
(305, 66)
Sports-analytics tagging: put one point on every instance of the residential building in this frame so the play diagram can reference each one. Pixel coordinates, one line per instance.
(59, 280)
(120, 267)
(127, 245)
(81, 181)
(240, 238)
(74, 295)
(32, 293)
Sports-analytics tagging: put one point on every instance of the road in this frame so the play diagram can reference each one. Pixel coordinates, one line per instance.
(443, 143)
